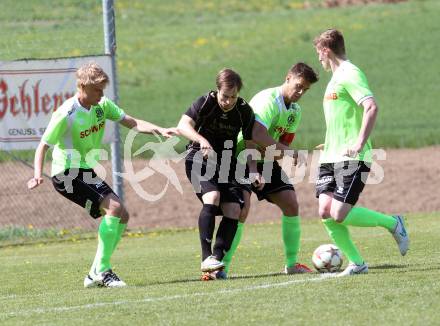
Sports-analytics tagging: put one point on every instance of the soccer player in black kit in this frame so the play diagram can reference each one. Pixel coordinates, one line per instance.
(212, 124)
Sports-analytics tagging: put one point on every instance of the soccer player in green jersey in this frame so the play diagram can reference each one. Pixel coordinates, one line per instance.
(277, 117)
(350, 113)
(75, 131)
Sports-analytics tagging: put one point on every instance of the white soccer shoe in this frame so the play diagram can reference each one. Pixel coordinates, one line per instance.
(400, 235)
(353, 269)
(89, 282)
(211, 264)
(107, 279)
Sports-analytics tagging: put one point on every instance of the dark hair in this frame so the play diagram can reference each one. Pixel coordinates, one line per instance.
(332, 39)
(228, 78)
(303, 70)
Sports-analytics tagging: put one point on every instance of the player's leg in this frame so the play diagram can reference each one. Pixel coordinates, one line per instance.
(109, 234)
(120, 230)
(83, 187)
(240, 229)
(281, 192)
(325, 188)
(339, 233)
(110, 229)
(291, 229)
(125, 216)
(211, 201)
(352, 184)
(207, 190)
(227, 228)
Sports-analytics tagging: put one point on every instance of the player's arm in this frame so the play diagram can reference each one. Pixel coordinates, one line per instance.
(40, 153)
(55, 130)
(368, 121)
(298, 158)
(262, 138)
(287, 138)
(146, 127)
(186, 129)
(252, 165)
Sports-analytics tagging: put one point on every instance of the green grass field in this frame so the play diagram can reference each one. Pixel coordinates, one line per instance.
(42, 284)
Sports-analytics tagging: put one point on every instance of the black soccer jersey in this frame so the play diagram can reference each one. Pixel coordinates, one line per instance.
(218, 126)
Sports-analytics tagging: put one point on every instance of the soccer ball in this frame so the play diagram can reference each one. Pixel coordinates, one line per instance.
(327, 258)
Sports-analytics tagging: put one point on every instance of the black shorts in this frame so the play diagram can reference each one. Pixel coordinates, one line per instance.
(276, 180)
(345, 180)
(83, 187)
(230, 190)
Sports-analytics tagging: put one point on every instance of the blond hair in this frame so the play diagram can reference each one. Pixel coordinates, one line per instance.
(90, 74)
(332, 39)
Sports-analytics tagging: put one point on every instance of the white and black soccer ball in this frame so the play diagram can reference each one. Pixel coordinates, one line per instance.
(327, 258)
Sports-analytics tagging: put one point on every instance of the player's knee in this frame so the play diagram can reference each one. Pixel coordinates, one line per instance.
(125, 216)
(235, 211)
(212, 198)
(291, 208)
(338, 219)
(115, 208)
(291, 211)
(324, 212)
(338, 216)
(243, 214)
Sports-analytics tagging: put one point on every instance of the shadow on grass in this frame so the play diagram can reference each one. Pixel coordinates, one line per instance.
(407, 268)
(231, 278)
(389, 266)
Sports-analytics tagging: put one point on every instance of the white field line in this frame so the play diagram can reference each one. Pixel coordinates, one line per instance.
(158, 299)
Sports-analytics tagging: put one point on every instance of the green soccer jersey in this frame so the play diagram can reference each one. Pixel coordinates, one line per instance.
(76, 133)
(271, 111)
(343, 113)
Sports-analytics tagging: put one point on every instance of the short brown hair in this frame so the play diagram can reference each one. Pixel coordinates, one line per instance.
(90, 74)
(229, 79)
(332, 39)
(303, 70)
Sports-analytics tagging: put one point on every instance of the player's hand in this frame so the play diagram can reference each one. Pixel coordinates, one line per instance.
(299, 159)
(352, 151)
(258, 181)
(34, 182)
(168, 132)
(319, 147)
(205, 147)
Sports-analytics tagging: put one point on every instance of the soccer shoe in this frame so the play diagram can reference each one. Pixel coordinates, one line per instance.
(92, 279)
(109, 279)
(105, 279)
(215, 275)
(400, 235)
(353, 269)
(211, 264)
(297, 269)
(89, 282)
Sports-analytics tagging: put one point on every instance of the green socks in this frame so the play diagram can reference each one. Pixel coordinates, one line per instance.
(340, 235)
(107, 237)
(228, 257)
(121, 229)
(291, 230)
(360, 216)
